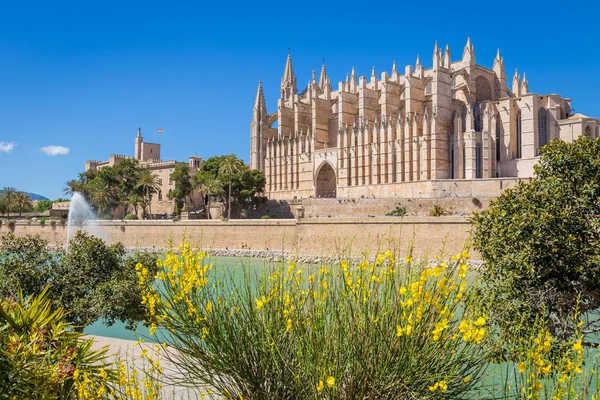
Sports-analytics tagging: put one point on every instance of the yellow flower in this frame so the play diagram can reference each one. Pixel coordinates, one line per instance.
(577, 346)
(408, 329)
(467, 379)
(209, 307)
(320, 386)
(331, 381)
(402, 290)
(289, 325)
(398, 330)
(546, 369)
(480, 321)
(522, 367)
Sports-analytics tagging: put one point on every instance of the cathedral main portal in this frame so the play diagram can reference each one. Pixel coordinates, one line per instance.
(326, 182)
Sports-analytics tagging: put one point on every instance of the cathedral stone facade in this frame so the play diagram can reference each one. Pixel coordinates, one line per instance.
(457, 123)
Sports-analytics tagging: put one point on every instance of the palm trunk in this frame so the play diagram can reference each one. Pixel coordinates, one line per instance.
(229, 198)
(149, 202)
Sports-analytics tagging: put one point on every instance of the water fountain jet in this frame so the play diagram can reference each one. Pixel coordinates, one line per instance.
(82, 216)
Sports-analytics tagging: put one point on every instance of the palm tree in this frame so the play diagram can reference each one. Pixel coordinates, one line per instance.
(134, 200)
(8, 194)
(148, 183)
(229, 165)
(71, 187)
(102, 196)
(211, 186)
(23, 202)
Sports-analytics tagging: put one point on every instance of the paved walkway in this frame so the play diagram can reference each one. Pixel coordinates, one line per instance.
(125, 348)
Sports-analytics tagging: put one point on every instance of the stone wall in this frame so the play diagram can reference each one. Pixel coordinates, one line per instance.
(315, 236)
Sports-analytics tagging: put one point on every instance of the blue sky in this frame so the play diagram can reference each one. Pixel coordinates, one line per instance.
(85, 75)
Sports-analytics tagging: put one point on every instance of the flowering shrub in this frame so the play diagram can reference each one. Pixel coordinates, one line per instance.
(40, 354)
(381, 329)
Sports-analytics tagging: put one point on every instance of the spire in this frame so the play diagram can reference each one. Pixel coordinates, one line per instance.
(139, 134)
(394, 69)
(288, 80)
(447, 62)
(418, 62)
(314, 76)
(469, 52)
(260, 103)
(498, 67)
(323, 79)
(524, 85)
(437, 62)
(516, 84)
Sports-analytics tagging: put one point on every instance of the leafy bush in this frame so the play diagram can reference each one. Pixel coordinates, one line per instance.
(43, 205)
(397, 212)
(386, 329)
(131, 216)
(541, 244)
(40, 354)
(91, 280)
(42, 221)
(436, 211)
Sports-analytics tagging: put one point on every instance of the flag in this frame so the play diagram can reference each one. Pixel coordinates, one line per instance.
(160, 130)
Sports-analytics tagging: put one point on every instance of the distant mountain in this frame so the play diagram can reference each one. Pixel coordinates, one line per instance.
(32, 196)
(35, 196)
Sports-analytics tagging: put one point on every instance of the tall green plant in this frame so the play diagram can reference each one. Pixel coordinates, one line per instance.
(383, 329)
(229, 165)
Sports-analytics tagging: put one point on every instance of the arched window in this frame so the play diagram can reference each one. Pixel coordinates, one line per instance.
(542, 128)
(519, 134)
(588, 131)
(428, 89)
(479, 123)
(498, 129)
(478, 163)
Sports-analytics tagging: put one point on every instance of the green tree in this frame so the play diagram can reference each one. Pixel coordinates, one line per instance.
(72, 186)
(22, 202)
(8, 194)
(102, 195)
(209, 185)
(541, 244)
(229, 165)
(183, 185)
(43, 205)
(149, 184)
(247, 184)
(91, 280)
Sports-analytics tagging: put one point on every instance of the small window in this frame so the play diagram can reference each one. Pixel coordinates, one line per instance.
(159, 195)
(428, 89)
(519, 134)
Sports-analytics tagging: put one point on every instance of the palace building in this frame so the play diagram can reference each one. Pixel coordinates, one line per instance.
(406, 135)
(148, 156)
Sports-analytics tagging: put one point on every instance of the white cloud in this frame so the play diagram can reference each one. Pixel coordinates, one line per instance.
(55, 150)
(7, 147)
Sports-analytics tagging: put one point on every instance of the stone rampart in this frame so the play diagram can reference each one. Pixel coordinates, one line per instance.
(314, 236)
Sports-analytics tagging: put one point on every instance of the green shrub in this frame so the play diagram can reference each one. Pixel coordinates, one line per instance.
(265, 217)
(42, 221)
(436, 211)
(397, 212)
(131, 216)
(541, 245)
(107, 218)
(40, 353)
(91, 280)
(372, 330)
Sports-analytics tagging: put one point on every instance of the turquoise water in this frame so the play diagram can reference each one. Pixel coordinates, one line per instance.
(118, 330)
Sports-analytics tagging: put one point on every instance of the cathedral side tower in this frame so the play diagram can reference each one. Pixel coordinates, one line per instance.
(257, 130)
